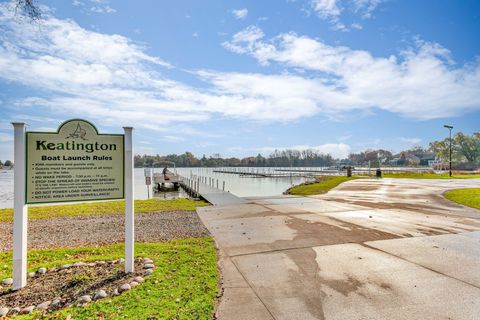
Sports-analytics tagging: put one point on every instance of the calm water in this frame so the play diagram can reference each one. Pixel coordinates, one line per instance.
(246, 186)
(242, 186)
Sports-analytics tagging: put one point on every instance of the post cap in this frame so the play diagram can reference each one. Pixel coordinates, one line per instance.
(18, 124)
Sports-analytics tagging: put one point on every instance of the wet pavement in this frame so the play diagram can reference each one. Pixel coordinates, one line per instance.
(369, 249)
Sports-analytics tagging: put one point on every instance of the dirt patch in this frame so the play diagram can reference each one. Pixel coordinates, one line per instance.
(105, 229)
(67, 285)
(319, 233)
(310, 286)
(420, 208)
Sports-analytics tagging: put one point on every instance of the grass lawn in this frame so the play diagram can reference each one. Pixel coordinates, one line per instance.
(468, 197)
(183, 285)
(321, 185)
(415, 175)
(105, 207)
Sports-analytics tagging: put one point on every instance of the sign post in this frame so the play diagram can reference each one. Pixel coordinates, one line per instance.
(20, 210)
(129, 202)
(76, 163)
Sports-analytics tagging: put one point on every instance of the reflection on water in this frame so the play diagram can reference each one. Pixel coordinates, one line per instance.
(246, 185)
(242, 186)
(6, 188)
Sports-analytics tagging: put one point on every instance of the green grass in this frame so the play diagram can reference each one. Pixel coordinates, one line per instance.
(415, 175)
(105, 207)
(321, 185)
(468, 197)
(183, 286)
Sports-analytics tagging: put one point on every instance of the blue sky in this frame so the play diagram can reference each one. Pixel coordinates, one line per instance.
(245, 77)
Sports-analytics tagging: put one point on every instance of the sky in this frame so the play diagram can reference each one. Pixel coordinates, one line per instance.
(238, 78)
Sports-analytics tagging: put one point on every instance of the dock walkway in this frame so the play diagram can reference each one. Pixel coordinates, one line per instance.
(215, 196)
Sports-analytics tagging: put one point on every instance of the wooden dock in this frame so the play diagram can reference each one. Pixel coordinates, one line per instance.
(272, 174)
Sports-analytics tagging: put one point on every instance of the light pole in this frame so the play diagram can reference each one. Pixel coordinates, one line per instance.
(450, 163)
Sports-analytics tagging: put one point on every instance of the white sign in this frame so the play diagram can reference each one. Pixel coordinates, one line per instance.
(76, 163)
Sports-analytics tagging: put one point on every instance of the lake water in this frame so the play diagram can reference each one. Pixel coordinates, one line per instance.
(242, 186)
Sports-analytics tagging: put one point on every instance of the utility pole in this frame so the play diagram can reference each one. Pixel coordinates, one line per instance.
(450, 152)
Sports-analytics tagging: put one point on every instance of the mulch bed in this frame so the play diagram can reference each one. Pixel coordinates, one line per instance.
(69, 284)
(105, 229)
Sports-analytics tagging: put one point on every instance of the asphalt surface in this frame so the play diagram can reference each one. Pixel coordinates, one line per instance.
(369, 249)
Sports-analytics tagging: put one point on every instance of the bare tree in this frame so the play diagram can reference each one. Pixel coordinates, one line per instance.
(28, 7)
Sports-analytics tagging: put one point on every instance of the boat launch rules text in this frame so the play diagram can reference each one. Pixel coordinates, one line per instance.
(75, 163)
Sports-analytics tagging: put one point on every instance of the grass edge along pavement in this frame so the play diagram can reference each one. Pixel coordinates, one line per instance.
(469, 197)
(184, 284)
(319, 186)
(431, 175)
(104, 207)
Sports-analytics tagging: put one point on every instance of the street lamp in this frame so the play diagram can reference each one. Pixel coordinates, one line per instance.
(450, 163)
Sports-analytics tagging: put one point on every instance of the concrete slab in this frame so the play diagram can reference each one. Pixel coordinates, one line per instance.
(351, 281)
(405, 223)
(362, 283)
(454, 255)
(366, 250)
(242, 304)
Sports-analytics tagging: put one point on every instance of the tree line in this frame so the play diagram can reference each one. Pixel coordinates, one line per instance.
(465, 148)
(7, 163)
(278, 158)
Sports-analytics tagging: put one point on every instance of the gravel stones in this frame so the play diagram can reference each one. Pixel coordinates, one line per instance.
(79, 264)
(148, 272)
(100, 294)
(27, 310)
(106, 229)
(42, 270)
(84, 299)
(56, 303)
(44, 305)
(124, 287)
(47, 279)
(3, 312)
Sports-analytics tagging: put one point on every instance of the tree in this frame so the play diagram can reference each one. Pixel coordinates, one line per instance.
(468, 146)
(8, 163)
(29, 8)
(464, 147)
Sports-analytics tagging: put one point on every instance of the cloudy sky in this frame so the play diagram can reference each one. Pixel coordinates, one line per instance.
(243, 77)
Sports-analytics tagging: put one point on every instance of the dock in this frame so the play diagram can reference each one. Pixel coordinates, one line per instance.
(265, 174)
(200, 187)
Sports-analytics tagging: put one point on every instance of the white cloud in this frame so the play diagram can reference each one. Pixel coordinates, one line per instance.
(326, 9)
(82, 73)
(173, 138)
(89, 74)
(240, 13)
(331, 10)
(421, 82)
(102, 9)
(5, 137)
(411, 140)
